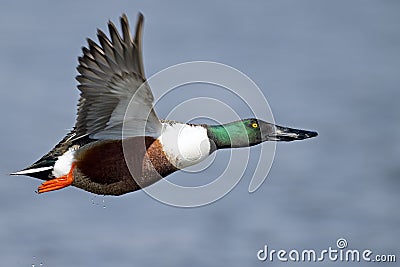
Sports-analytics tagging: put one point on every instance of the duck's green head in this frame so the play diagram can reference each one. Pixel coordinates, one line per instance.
(250, 132)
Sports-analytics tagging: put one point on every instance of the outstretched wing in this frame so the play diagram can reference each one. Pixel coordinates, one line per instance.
(111, 78)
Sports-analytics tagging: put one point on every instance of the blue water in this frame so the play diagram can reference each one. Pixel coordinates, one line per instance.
(331, 66)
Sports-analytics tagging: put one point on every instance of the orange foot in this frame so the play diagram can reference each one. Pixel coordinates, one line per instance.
(57, 183)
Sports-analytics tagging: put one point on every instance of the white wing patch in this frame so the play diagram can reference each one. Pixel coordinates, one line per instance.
(184, 145)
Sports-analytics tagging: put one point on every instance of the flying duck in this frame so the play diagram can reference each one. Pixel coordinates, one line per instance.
(91, 156)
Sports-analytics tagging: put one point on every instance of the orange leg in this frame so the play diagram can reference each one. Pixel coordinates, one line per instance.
(57, 183)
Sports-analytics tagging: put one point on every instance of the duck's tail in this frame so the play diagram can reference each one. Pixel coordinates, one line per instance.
(41, 169)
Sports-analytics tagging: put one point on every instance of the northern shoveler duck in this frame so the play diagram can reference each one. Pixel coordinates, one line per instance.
(91, 156)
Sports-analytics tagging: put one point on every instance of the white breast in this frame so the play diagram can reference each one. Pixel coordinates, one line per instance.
(184, 145)
(64, 163)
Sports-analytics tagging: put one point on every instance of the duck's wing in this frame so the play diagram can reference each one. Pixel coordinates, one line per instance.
(111, 74)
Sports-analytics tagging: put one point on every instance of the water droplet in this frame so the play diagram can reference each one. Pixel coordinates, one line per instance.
(94, 201)
(104, 205)
(41, 264)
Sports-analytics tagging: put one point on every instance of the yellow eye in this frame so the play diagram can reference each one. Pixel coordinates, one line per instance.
(254, 125)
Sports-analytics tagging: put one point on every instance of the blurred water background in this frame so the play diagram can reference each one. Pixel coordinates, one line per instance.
(331, 66)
